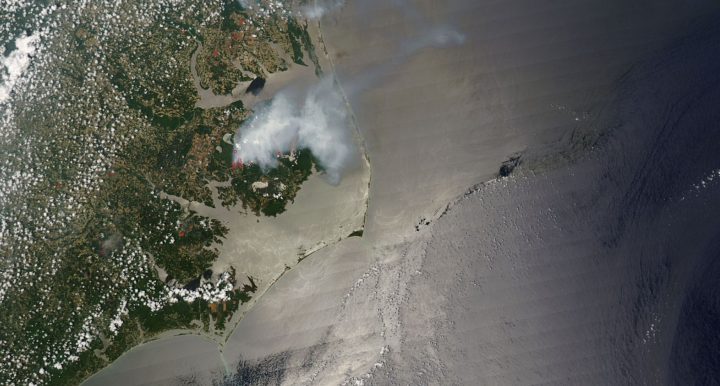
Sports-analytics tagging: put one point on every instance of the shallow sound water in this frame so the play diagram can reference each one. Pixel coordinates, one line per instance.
(594, 262)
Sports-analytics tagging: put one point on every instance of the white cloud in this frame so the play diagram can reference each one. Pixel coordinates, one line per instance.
(13, 66)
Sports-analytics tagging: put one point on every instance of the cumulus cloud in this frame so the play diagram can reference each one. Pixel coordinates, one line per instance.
(316, 120)
(13, 66)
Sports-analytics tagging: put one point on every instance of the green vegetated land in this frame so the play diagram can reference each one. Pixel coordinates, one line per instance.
(113, 131)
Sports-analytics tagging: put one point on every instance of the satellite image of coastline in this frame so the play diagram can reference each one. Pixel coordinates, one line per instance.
(359, 192)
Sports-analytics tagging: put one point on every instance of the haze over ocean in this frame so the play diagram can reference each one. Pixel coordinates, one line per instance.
(593, 262)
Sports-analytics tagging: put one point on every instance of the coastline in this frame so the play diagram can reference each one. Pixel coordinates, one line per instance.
(381, 309)
(444, 122)
(315, 192)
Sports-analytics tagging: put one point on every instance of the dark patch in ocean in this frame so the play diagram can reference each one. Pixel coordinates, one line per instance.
(648, 192)
(266, 371)
(508, 166)
(277, 368)
(635, 201)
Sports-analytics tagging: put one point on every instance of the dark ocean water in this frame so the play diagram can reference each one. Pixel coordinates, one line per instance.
(665, 162)
(657, 192)
(600, 266)
(653, 196)
(602, 270)
(683, 159)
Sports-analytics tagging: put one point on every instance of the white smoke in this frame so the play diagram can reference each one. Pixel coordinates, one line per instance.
(319, 8)
(13, 66)
(318, 119)
(438, 36)
(319, 123)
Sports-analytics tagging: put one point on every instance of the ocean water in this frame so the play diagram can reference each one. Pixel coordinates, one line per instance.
(604, 269)
(683, 160)
(593, 263)
(663, 168)
(596, 263)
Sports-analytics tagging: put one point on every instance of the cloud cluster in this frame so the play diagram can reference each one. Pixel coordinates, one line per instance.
(318, 122)
(13, 66)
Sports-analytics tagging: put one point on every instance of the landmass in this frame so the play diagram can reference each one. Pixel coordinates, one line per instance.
(99, 258)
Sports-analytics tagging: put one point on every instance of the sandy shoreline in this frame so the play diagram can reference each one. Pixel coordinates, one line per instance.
(265, 248)
(434, 126)
(163, 361)
(390, 306)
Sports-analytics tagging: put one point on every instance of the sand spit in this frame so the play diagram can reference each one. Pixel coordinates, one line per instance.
(508, 285)
(188, 358)
(321, 215)
(505, 288)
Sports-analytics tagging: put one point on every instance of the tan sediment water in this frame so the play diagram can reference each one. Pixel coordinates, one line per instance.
(162, 361)
(444, 120)
(373, 309)
(321, 215)
(295, 75)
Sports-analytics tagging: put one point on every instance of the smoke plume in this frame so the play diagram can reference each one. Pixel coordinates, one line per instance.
(319, 8)
(319, 122)
(318, 119)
